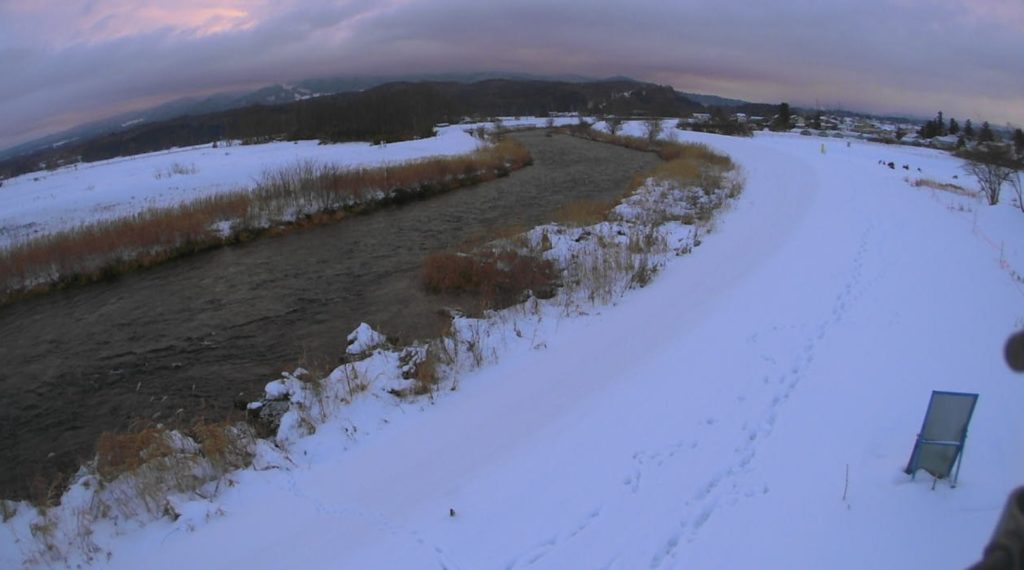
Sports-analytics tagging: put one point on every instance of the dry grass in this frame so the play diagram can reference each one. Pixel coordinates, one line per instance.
(944, 186)
(224, 444)
(313, 369)
(692, 164)
(119, 453)
(305, 194)
(685, 171)
(694, 151)
(45, 489)
(425, 374)
(583, 212)
(139, 470)
(634, 143)
(684, 163)
(498, 278)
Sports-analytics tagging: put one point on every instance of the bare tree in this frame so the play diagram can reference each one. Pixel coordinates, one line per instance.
(992, 169)
(652, 130)
(614, 125)
(1015, 184)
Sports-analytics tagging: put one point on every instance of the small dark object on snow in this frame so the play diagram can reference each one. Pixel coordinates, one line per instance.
(1014, 352)
(451, 512)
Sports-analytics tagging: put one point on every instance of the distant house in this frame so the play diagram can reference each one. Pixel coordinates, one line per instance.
(947, 142)
(701, 117)
(872, 130)
(740, 117)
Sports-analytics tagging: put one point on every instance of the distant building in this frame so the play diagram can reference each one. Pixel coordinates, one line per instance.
(947, 142)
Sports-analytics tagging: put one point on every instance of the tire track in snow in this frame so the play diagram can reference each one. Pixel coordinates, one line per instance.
(724, 485)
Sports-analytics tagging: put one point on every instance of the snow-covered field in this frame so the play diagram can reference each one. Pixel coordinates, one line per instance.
(44, 202)
(39, 203)
(713, 419)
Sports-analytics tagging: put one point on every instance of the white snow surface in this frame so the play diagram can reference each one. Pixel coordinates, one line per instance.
(713, 419)
(363, 339)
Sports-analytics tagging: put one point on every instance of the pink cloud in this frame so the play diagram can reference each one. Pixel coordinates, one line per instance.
(57, 23)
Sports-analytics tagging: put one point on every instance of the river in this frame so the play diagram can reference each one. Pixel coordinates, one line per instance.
(185, 340)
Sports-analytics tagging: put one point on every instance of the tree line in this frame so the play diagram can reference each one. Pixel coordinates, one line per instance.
(939, 127)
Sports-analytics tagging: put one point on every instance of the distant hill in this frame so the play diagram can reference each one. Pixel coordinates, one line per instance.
(714, 100)
(387, 112)
(269, 95)
(347, 83)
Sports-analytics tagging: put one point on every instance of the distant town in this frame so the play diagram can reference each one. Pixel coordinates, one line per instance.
(937, 133)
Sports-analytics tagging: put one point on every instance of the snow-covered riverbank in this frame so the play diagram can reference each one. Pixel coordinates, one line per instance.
(43, 202)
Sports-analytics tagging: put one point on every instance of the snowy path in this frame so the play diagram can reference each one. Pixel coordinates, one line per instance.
(706, 421)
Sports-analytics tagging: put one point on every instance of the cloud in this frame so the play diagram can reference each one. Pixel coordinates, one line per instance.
(65, 62)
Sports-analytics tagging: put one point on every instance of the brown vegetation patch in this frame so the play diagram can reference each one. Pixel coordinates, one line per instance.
(498, 278)
(944, 186)
(584, 212)
(118, 453)
(225, 444)
(425, 374)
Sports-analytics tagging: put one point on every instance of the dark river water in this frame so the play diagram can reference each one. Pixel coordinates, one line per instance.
(184, 340)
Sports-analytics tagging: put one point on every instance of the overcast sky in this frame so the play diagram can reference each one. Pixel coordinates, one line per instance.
(63, 62)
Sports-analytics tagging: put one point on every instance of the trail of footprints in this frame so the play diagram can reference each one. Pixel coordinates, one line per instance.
(545, 547)
(724, 486)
